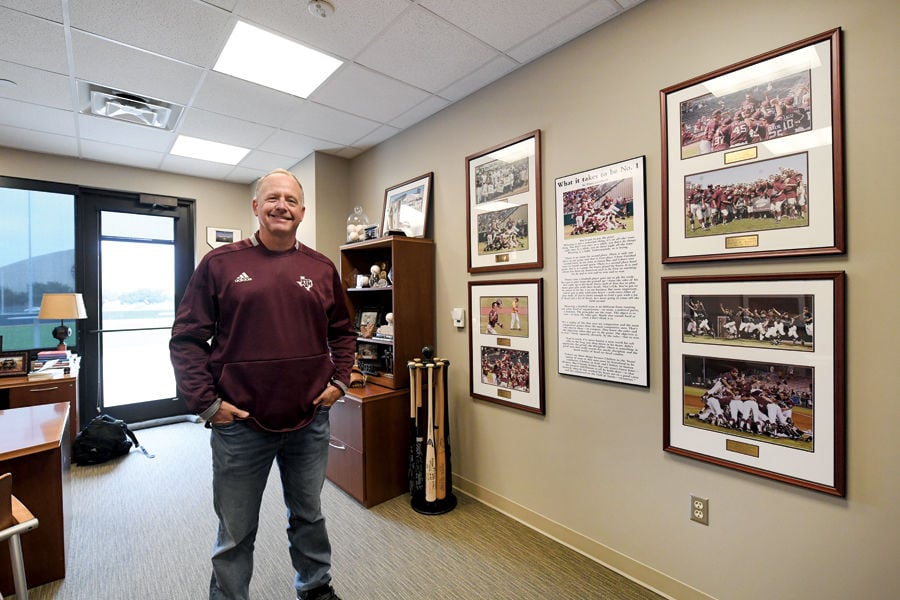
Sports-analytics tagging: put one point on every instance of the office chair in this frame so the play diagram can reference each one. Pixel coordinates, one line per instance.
(15, 519)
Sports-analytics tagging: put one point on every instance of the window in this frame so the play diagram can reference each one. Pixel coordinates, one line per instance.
(37, 255)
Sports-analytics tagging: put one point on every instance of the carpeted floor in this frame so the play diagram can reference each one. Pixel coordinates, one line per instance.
(143, 528)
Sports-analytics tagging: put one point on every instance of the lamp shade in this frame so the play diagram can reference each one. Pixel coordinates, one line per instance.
(62, 306)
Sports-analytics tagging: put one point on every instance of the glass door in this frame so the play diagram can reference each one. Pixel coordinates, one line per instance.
(137, 273)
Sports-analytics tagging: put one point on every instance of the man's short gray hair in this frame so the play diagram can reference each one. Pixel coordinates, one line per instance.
(277, 172)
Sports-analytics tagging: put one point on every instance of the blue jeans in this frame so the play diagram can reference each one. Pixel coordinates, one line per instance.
(242, 458)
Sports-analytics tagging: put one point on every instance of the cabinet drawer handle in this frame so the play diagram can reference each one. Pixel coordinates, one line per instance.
(341, 400)
(49, 389)
(337, 446)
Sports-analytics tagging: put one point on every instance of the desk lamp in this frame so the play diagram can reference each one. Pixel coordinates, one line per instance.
(62, 307)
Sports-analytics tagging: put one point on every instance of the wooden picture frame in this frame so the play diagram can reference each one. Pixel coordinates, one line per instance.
(14, 364)
(506, 343)
(761, 391)
(220, 236)
(406, 207)
(752, 157)
(503, 206)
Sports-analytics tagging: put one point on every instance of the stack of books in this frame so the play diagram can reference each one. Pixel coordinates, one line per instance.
(52, 364)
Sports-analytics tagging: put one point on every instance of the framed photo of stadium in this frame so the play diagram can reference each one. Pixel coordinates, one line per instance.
(503, 206)
(752, 157)
(753, 375)
(506, 343)
(406, 207)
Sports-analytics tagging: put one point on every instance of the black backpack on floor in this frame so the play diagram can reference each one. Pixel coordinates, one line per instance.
(104, 438)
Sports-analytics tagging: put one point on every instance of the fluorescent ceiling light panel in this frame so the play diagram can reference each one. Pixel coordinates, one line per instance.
(192, 147)
(273, 61)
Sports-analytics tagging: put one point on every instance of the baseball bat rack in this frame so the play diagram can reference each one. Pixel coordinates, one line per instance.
(430, 474)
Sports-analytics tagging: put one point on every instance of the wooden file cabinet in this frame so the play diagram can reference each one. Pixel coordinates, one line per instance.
(367, 454)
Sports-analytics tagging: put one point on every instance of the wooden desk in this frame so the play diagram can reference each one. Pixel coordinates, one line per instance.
(34, 447)
(18, 392)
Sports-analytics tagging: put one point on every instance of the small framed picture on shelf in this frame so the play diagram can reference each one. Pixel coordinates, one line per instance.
(406, 207)
(13, 364)
(503, 207)
(367, 320)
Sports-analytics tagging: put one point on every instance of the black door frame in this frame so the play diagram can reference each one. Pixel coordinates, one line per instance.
(88, 207)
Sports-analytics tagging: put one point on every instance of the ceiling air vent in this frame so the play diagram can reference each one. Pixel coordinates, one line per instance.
(125, 106)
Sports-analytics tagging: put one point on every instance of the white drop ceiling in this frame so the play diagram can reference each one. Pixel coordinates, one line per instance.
(404, 60)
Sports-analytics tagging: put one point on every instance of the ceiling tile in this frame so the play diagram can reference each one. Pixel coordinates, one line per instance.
(324, 123)
(243, 175)
(344, 34)
(131, 70)
(501, 23)
(266, 161)
(494, 70)
(122, 155)
(31, 41)
(292, 145)
(565, 30)
(188, 31)
(194, 167)
(227, 130)
(426, 51)
(384, 98)
(46, 9)
(38, 141)
(424, 110)
(112, 131)
(376, 137)
(37, 86)
(248, 101)
(37, 118)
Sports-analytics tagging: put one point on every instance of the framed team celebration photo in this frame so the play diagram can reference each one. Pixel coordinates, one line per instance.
(753, 375)
(506, 345)
(752, 157)
(503, 206)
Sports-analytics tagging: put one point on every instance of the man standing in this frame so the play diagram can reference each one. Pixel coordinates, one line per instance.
(262, 346)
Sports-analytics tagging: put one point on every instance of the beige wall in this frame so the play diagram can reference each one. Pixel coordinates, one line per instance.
(592, 472)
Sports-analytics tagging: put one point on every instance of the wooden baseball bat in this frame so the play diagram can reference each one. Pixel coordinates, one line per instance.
(411, 457)
(430, 466)
(418, 458)
(440, 459)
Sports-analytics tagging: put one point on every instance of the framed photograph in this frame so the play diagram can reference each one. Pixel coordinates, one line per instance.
(406, 207)
(752, 157)
(506, 344)
(601, 254)
(13, 364)
(753, 375)
(368, 316)
(219, 236)
(503, 206)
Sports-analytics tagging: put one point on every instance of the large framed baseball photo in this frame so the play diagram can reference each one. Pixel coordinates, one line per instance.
(752, 157)
(503, 206)
(506, 344)
(753, 375)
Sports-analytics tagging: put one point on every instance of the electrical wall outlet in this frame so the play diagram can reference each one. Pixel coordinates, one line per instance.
(700, 510)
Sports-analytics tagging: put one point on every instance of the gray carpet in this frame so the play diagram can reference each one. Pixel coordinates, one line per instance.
(142, 528)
